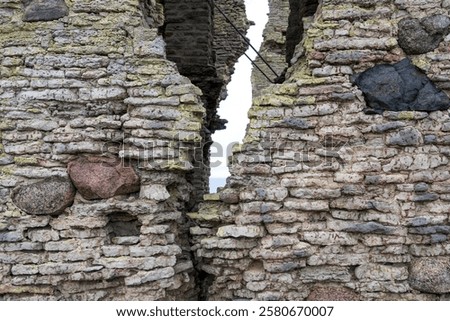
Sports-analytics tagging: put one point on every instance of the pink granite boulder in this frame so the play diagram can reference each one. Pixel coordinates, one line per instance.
(101, 177)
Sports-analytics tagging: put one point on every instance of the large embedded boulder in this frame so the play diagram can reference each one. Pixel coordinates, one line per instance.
(422, 36)
(44, 10)
(399, 87)
(48, 197)
(430, 274)
(102, 177)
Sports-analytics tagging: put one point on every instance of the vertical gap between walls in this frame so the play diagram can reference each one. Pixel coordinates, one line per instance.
(235, 107)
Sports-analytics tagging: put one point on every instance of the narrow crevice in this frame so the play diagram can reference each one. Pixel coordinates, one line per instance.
(299, 9)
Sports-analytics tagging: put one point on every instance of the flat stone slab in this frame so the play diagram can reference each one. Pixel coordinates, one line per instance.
(48, 197)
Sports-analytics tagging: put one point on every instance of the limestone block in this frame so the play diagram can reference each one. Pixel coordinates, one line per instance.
(43, 235)
(325, 273)
(381, 272)
(327, 238)
(370, 227)
(139, 251)
(145, 277)
(240, 231)
(11, 236)
(154, 192)
(125, 240)
(28, 269)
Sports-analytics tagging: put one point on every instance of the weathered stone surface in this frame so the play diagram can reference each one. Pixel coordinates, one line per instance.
(381, 272)
(44, 10)
(100, 177)
(332, 293)
(325, 238)
(144, 277)
(370, 227)
(426, 197)
(229, 196)
(14, 236)
(240, 231)
(155, 192)
(326, 273)
(421, 36)
(398, 87)
(48, 197)
(405, 137)
(430, 274)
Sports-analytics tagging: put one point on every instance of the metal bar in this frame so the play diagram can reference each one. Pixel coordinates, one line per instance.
(246, 40)
(257, 67)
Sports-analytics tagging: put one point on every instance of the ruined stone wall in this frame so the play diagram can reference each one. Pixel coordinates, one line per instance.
(98, 138)
(273, 48)
(339, 192)
(205, 47)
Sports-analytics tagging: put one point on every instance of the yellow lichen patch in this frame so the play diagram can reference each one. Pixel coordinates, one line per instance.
(421, 62)
(6, 171)
(406, 115)
(209, 216)
(211, 197)
(25, 161)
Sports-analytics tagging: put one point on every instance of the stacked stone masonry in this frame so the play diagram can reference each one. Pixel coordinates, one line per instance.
(99, 133)
(100, 136)
(327, 201)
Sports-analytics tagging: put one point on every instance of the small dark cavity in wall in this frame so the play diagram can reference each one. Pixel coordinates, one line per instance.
(294, 35)
(122, 224)
(205, 280)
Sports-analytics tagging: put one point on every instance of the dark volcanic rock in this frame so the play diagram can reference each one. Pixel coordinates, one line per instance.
(48, 197)
(44, 10)
(400, 87)
(101, 177)
(430, 274)
(421, 36)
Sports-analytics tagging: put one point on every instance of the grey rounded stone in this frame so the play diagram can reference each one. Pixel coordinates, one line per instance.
(48, 197)
(422, 36)
(437, 24)
(430, 274)
(44, 10)
(229, 196)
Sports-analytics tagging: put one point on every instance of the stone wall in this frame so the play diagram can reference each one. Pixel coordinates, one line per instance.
(205, 47)
(273, 48)
(99, 133)
(285, 29)
(337, 193)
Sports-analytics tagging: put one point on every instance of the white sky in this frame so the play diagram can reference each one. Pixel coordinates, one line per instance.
(239, 99)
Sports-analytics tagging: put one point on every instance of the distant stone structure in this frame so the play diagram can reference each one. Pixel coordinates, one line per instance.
(106, 112)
